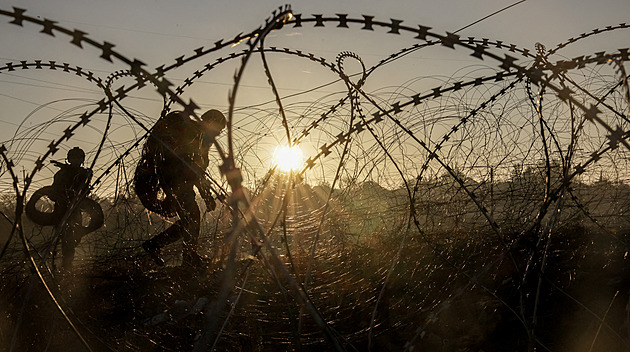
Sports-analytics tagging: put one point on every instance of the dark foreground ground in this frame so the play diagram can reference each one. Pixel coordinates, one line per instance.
(432, 302)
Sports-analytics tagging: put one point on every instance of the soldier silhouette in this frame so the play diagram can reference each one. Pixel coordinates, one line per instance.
(174, 161)
(71, 182)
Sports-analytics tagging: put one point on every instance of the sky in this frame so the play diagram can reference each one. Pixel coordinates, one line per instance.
(128, 21)
(158, 31)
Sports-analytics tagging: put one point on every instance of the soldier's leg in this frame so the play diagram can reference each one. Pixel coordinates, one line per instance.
(168, 236)
(154, 245)
(191, 218)
(70, 239)
(173, 233)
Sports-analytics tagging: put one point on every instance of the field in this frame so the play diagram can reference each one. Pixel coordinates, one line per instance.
(454, 285)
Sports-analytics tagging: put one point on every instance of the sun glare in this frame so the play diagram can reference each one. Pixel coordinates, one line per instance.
(288, 158)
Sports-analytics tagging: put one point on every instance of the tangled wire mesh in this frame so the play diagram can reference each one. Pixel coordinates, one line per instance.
(481, 209)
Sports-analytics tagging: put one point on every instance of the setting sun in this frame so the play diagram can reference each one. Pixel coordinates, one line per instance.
(288, 158)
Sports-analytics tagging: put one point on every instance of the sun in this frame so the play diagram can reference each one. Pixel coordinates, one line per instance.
(288, 158)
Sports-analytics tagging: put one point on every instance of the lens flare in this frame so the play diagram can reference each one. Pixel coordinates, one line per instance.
(288, 158)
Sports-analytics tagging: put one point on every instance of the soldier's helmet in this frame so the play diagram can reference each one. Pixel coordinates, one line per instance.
(214, 120)
(76, 155)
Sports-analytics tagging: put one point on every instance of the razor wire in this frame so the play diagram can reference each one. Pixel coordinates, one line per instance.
(468, 192)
